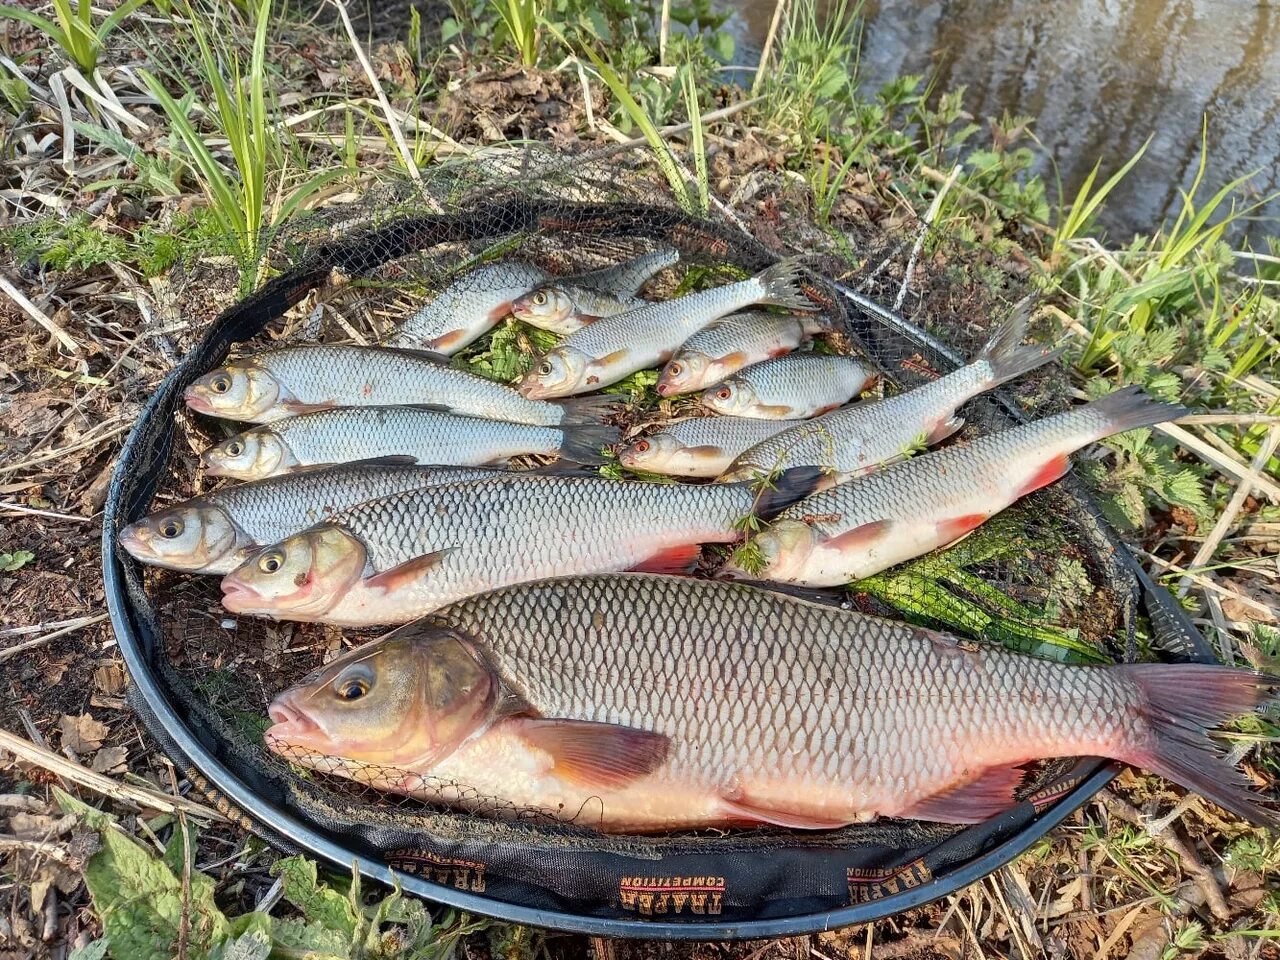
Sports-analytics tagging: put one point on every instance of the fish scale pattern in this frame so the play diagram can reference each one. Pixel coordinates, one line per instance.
(745, 680)
(385, 377)
(532, 526)
(360, 433)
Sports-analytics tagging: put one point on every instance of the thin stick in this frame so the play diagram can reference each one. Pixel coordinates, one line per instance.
(28, 752)
(1225, 464)
(664, 30)
(1204, 581)
(51, 514)
(396, 132)
(38, 315)
(40, 641)
(685, 127)
(767, 50)
(929, 216)
(1234, 506)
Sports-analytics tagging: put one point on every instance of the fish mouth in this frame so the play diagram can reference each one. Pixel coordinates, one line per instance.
(531, 390)
(289, 723)
(239, 597)
(197, 401)
(665, 389)
(132, 540)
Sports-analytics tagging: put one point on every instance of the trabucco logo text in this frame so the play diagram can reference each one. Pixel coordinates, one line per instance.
(866, 884)
(448, 871)
(651, 896)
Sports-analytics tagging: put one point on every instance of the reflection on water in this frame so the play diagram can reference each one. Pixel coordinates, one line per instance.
(1100, 76)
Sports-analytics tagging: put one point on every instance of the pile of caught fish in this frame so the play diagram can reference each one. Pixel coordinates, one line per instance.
(551, 661)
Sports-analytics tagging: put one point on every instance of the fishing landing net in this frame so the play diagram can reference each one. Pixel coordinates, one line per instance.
(1045, 577)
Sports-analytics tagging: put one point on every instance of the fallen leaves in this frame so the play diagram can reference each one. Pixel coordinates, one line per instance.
(82, 735)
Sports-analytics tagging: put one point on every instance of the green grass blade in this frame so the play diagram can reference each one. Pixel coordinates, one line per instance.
(47, 27)
(1088, 200)
(697, 143)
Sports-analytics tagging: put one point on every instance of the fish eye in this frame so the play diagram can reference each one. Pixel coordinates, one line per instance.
(545, 368)
(675, 369)
(172, 527)
(642, 446)
(235, 448)
(724, 393)
(271, 562)
(352, 688)
(220, 384)
(539, 298)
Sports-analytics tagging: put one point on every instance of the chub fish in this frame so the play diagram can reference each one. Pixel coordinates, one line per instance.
(697, 447)
(570, 303)
(394, 559)
(858, 528)
(721, 349)
(644, 703)
(415, 434)
(790, 388)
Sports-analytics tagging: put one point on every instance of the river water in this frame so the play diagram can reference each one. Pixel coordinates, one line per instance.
(1099, 77)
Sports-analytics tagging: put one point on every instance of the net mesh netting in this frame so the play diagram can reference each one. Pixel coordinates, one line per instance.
(1041, 578)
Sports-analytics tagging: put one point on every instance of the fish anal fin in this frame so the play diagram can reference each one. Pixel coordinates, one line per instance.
(402, 575)
(448, 342)
(1052, 469)
(944, 429)
(596, 755)
(860, 537)
(954, 528)
(679, 559)
(745, 809)
(989, 793)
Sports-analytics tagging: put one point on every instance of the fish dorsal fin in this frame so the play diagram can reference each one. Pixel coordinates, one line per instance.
(402, 575)
(595, 755)
(991, 792)
(745, 809)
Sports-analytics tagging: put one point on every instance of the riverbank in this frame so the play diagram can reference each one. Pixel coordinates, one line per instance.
(111, 196)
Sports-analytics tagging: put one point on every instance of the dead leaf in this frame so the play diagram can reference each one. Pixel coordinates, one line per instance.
(109, 760)
(82, 734)
(35, 826)
(1265, 607)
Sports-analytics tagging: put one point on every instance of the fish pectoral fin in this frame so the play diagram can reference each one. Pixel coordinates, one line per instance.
(956, 528)
(777, 411)
(991, 792)
(616, 357)
(451, 341)
(400, 576)
(860, 537)
(744, 809)
(679, 559)
(430, 356)
(1052, 469)
(596, 755)
(735, 361)
(296, 407)
(500, 311)
(391, 460)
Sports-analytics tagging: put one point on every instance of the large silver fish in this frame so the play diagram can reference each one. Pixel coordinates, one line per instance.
(795, 387)
(469, 307)
(283, 383)
(610, 349)
(721, 349)
(394, 559)
(214, 533)
(570, 303)
(643, 703)
(699, 446)
(862, 437)
(416, 434)
(857, 529)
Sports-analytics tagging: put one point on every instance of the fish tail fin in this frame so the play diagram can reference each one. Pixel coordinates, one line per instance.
(1005, 354)
(783, 285)
(791, 486)
(583, 443)
(1129, 408)
(587, 410)
(1183, 703)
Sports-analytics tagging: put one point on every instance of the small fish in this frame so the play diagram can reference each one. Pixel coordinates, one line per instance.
(216, 532)
(416, 434)
(790, 388)
(721, 349)
(398, 558)
(698, 447)
(610, 349)
(862, 437)
(570, 303)
(634, 703)
(857, 529)
(283, 383)
(468, 308)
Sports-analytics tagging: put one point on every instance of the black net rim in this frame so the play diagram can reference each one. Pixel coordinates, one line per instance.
(131, 491)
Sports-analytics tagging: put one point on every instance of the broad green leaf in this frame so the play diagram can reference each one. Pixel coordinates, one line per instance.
(316, 901)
